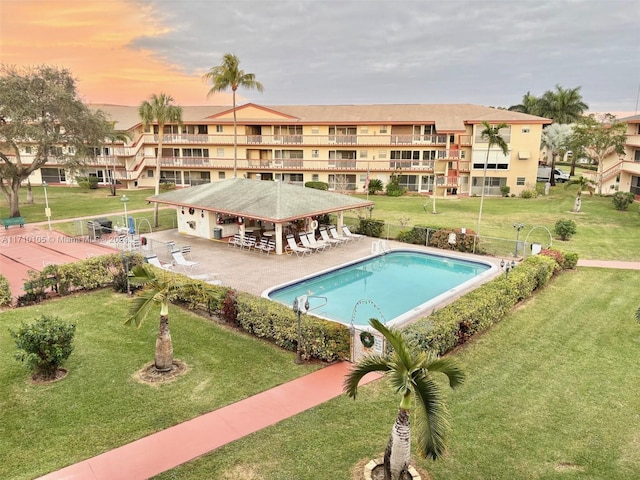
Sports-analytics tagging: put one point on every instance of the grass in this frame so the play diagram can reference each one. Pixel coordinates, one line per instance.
(553, 392)
(46, 427)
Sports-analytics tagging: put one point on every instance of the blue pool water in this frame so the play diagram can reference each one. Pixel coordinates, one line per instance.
(394, 287)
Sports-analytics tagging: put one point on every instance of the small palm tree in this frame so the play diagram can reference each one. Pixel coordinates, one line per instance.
(492, 135)
(160, 110)
(409, 372)
(583, 184)
(158, 289)
(228, 75)
(114, 136)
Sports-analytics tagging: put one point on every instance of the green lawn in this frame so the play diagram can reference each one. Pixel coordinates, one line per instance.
(99, 406)
(553, 392)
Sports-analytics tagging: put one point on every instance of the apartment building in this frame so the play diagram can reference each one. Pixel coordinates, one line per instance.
(431, 148)
(622, 173)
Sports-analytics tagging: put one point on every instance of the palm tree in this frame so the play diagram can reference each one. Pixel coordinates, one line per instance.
(409, 372)
(228, 75)
(114, 136)
(493, 136)
(530, 104)
(160, 110)
(556, 138)
(563, 105)
(160, 289)
(583, 184)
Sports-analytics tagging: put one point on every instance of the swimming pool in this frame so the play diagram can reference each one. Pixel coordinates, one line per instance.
(394, 287)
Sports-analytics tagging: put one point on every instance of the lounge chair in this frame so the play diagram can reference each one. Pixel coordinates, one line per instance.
(266, 245)
(186, 251)
(325, 236)
(355, 236)
(155, 261)
(236, 240)
(294, 247)
(311, 237)
(183, 262)
(307, 244)
(206, 277)
(248, 242)
(334, 234)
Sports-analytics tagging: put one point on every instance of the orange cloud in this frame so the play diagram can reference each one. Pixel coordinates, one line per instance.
(93, 40)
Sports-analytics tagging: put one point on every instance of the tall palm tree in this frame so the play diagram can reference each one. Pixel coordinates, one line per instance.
(161, 289)
(160, 110)
(229, 75)
(113, 136)
(556, 137)
(409, 372)
(493, 136)
(530, 104)
(562, 105)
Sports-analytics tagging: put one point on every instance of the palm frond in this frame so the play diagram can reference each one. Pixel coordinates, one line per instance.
(450, 368)
(140, 306)
(432, 417)
(371, 363)
(638, 315)
(395, 339)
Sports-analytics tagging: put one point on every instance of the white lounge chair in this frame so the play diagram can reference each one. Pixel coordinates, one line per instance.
(248, 242)
(315, 243)
(236, 240)
(155, 261)
(334, 234)
(307, 244)
(207, 278)
(294, 247)
(266, 245)
(186, 251)
(325, 236)
(355, 236)
(183, 262)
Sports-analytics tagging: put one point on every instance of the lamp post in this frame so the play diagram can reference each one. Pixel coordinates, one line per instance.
(125, 259)
(124, 201)
(518, 227)
(47, 210)
(507, 267)
(300, 306)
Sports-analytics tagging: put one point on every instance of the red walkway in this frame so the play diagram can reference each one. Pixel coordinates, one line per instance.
(169, 448)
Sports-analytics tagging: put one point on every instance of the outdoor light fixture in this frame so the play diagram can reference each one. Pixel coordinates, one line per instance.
(47, 210)
(507, 266)
(300, 306)
(124, 201)
(518, 227)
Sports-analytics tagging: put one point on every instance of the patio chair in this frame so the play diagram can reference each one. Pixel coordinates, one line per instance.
(313, 243)
(294, 247)
(235, 241)
(325, 236)
(334, 234)
(248, 242)
(266, 245)
(307, 244)
(155, 261)
(355, 236)
(183, 262)
(186, 251)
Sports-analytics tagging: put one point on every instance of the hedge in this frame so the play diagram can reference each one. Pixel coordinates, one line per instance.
(5, 292)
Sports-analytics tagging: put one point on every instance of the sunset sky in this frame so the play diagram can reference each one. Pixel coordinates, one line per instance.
(335, 51)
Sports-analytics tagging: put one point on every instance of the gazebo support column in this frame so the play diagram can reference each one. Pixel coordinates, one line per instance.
(278, 234)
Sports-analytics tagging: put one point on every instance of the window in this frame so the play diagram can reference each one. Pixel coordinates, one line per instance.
(382, 154)
(315, 153)
(410, 182)
(220, 152)
(496, 161)
(315, 177)
(219, 129)
(149, 173)
(383, 128)
(364, 130)
(315, 130)
(55, 151)
(363, 153)
(505, 133)
(221, 175)
(296, 177)
(27, 150)
(520, 181)
(636, 156)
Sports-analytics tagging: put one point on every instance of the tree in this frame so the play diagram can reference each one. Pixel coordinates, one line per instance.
(229, 75)
(113, 136)
(599, 139)
(556, 138)
(160, 110)
(530, 104)
(562, 105)
(583, 184)
(493, 136)
(40, 108)
(409, 371)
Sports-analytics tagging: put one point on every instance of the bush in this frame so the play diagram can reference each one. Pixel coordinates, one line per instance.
(317, 185)
(557, 255)
(5, 292)
(371, 228)
(565, 229)
(43, 346)
(166, 186)
(394, 189)
(464, 242)
(570, 261)
(505, 190)
(375, 186)
(622, 200)
(416, 236)
(527, 193)
(88, 183)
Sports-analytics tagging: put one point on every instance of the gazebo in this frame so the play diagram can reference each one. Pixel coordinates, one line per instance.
(221, 209)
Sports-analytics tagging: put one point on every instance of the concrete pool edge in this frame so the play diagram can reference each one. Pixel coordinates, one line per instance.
(421, 310)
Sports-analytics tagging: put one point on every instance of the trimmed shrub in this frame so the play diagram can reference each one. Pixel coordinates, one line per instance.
(416, 236)
(88, 182)
(371, 228)
(166, 186)
(375, 186)
(557, 255)
(565, 229)
(622, 200)
(5, 291)
(43, 346)
(570, 261)
(317, 185)
(464, 242)
(478, 310)
(528, 193)
(505, 190)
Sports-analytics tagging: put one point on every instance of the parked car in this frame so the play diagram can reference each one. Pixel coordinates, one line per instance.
(544, 174)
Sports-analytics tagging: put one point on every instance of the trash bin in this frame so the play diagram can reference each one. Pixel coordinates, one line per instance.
(105, 223)
(95, 230)
(217, 233)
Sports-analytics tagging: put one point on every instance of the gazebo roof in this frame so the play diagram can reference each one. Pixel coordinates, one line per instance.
(275, 202)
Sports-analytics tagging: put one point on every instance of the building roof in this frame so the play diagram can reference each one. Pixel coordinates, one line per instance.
(275, 202)
(446, 117)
